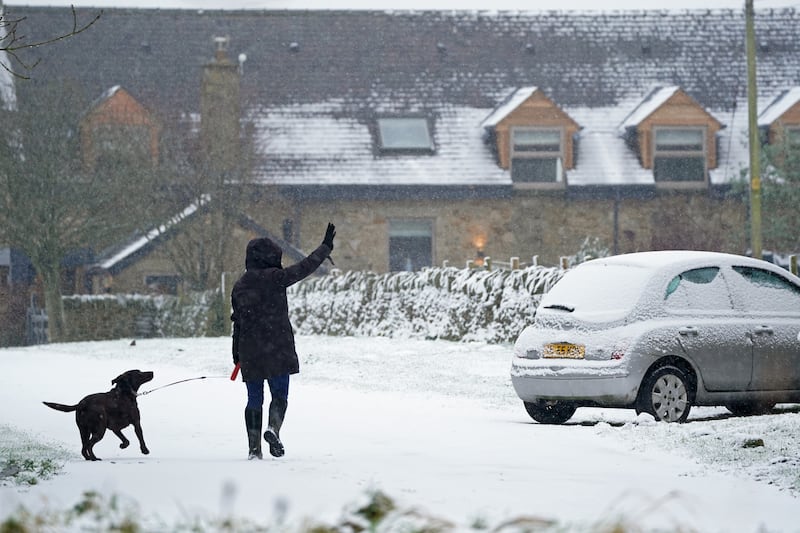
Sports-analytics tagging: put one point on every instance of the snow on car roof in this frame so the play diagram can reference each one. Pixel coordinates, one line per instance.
(655, 260)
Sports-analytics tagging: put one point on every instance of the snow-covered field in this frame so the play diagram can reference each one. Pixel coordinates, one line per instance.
(433, 424)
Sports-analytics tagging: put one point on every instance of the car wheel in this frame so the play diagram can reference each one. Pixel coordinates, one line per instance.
(745, 408)
(666, 395)
(550, 411)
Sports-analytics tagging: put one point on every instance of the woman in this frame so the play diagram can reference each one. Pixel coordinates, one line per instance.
(263, 340)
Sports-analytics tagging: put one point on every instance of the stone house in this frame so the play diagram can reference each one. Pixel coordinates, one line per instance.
(432, 137)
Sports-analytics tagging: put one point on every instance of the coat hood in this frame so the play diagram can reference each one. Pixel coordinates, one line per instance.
(263, 253)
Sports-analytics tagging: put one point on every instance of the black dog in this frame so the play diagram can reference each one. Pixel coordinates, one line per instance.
(114, 410)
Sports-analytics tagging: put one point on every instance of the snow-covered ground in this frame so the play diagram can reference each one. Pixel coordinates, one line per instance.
(433, 424)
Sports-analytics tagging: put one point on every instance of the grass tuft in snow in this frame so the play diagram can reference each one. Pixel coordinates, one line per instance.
(27, 461)
(376, 512)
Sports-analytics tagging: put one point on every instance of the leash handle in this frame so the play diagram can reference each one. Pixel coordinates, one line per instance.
(235, 372)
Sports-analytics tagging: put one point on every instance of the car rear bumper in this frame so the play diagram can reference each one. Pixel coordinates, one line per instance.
(608, 383)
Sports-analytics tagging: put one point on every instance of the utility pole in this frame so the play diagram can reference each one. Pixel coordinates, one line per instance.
(752, 112)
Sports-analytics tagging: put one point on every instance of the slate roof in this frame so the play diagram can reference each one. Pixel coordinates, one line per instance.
(118, 257)
(313, 82)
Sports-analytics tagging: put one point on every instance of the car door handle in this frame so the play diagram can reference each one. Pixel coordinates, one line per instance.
(688, 330)
(763, 330)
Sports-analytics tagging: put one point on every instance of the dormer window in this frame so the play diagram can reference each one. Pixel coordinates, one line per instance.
(533, 138)
(536, 155)
(404, 134)
(679, 154)
(674, 136)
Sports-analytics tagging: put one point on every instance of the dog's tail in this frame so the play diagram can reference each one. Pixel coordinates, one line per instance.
(61, 407)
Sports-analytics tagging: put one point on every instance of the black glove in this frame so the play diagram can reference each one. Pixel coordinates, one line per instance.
(330, 233)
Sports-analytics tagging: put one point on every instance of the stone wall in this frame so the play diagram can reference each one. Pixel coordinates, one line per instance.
(547, 224)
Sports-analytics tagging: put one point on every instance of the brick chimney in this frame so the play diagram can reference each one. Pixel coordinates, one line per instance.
(220, 111)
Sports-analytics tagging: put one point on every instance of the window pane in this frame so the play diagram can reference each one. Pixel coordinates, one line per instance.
(682, 140)
(698, 289)
(163, 284)
(769, 292)
(535, 170)
(404, 133)
(793, 135)
(410, 228)
(537, 140)
(410, 244)
(679, 168)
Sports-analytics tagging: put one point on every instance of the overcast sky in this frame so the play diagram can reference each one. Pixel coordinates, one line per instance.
(414, 4)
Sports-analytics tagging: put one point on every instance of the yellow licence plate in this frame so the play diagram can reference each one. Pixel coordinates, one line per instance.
(564, 350)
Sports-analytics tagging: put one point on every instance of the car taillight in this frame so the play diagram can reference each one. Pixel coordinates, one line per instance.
(619, 350)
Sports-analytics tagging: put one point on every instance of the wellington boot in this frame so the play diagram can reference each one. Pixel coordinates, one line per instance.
(277, 412)
(252, 421)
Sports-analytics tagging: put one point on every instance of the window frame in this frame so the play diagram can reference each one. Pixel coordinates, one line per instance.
(163, 280)
(678, 154)
(793, 136)
(422, 148)
(431, 225)
(559, 155)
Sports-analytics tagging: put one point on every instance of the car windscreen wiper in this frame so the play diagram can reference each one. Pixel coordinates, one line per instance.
(560, 307)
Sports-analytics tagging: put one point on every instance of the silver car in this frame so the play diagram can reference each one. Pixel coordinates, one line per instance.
(659, 332)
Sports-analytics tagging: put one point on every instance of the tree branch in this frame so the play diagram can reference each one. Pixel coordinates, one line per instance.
(11, 42)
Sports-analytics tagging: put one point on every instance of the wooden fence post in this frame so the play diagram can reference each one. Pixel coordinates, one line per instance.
(514, 263)
(564, 262)
(793, 264)
(487, 261)
(535, 260)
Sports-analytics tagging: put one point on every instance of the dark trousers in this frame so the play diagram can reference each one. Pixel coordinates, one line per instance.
(278, 388)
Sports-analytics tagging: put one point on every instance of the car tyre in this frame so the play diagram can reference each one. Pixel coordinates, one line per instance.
(550, 411)
(667, 395)
(747, 408)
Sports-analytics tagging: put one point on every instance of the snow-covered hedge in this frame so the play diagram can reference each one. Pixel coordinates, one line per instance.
(102, 317)
(435, 303)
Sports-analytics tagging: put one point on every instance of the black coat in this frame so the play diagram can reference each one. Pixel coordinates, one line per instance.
(263, 340)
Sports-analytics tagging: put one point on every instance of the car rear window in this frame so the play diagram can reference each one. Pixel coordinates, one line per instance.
(598, 292)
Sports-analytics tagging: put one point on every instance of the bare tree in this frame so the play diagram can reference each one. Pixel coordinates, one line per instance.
(51, 204)
(13, 41)
(199, 251)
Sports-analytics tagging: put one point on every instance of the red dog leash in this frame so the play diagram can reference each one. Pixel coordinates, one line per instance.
(233, 378)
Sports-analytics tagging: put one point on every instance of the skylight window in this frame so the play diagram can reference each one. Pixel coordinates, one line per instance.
(404, 134)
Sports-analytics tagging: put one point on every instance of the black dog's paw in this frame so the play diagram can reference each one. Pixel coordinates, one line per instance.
(124, 445)
(145, 450)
